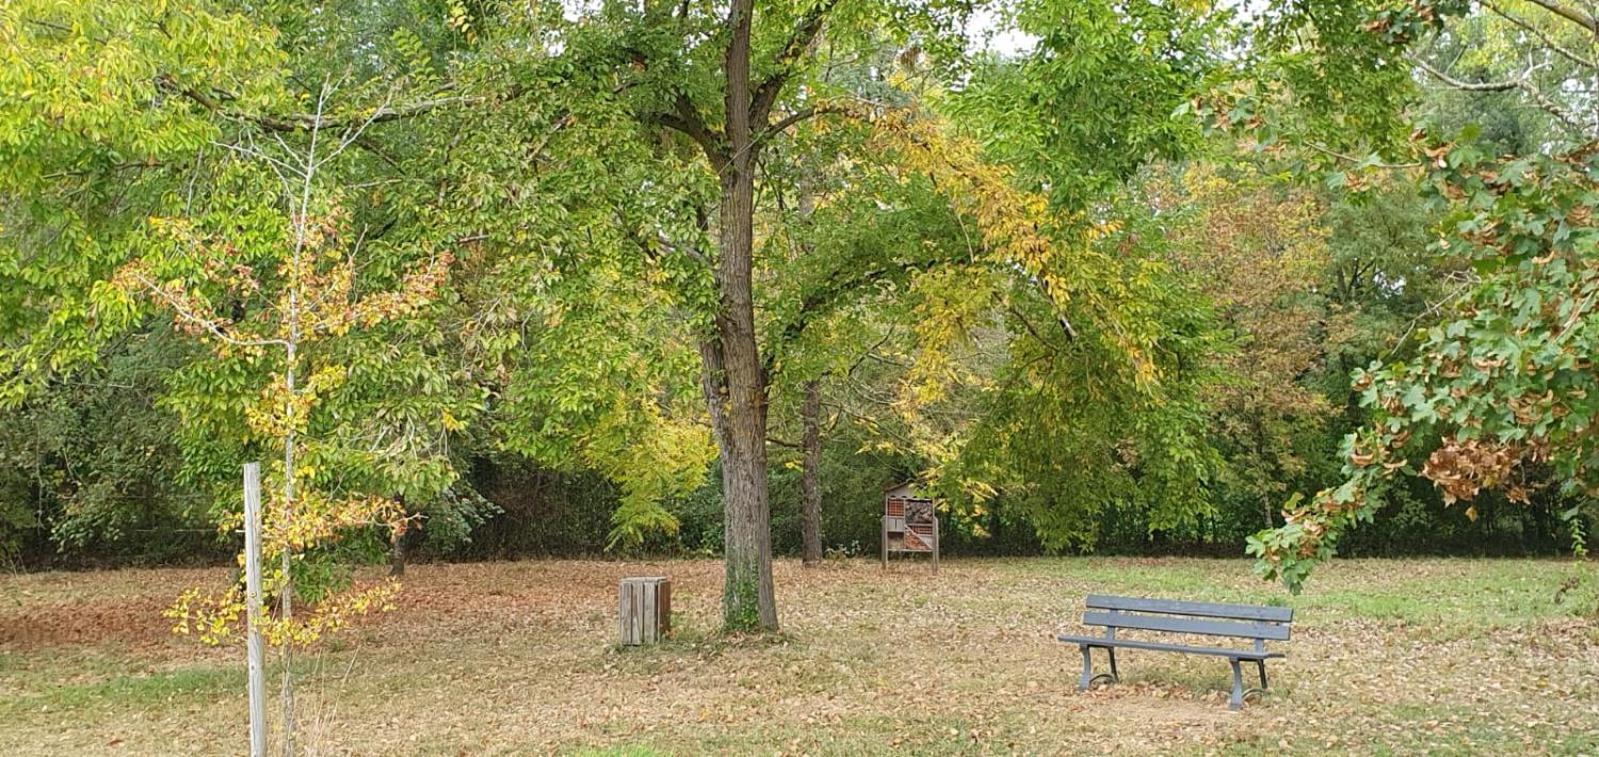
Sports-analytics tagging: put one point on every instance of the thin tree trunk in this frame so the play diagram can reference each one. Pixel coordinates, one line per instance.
(1260, 454)
(286, 591)
(399, 544)
(290, 362)
(811, 476)
(397, 555)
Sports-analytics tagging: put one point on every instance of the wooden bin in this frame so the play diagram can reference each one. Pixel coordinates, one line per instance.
(645, 614)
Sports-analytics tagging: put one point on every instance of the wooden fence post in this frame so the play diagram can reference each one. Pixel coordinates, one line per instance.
(252, 604)
(645, 612)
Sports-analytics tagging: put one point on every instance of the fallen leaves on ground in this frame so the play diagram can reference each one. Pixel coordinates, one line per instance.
(1407, 656)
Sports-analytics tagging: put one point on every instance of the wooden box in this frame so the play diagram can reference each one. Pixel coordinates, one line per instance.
(645, 613)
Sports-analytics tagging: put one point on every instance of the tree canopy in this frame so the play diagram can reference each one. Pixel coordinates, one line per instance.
(1153, 274)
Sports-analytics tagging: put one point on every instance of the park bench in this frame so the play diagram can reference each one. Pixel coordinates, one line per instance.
(1260, 624)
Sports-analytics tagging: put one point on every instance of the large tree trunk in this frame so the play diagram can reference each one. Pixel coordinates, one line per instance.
(748, 599)
(811, 476)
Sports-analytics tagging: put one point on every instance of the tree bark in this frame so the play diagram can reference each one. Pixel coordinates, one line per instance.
(399, 545)
(397, 555)
(1260, 454)
(811, 476)
(748, 598)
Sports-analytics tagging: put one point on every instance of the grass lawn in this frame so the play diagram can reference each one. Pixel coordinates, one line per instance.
(1395, 656)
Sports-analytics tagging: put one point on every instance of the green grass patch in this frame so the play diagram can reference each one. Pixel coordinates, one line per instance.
(136, 691)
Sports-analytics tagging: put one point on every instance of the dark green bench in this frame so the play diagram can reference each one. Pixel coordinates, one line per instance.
(1259, 624)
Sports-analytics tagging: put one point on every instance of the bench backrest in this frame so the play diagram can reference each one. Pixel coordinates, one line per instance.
(1175, 616)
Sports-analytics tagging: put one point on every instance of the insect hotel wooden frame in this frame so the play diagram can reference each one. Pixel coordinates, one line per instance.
(910, 524)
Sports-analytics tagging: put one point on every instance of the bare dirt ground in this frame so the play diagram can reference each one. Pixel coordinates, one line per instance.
(1414, 656)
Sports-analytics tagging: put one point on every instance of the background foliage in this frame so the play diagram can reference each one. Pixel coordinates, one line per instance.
(1033, 279)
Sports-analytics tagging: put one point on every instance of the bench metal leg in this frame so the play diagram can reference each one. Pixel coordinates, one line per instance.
(1088, 678)
(1237, 700)
(1262, 664)
(1088, 669)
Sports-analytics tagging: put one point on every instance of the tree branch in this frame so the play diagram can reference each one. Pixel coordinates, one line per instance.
(1467, 86)
(687, 128)
(1566, 117)
(1570, 14)
(1523, 83)
(1323, 149)
(816, 303)
(688, 251)
(1542, 36)
(801, 115)
(297, 122)
(687, 121)
(216, 328)
(798, 43)
(1028, 324)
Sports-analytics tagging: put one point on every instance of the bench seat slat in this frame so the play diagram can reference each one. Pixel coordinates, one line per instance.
(1198, 609)
(1173, 624)
(1104, 643)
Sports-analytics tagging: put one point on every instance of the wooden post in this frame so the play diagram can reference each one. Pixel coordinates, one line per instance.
(885, 542)
(937, 539)
(644, 615)
(252, 604)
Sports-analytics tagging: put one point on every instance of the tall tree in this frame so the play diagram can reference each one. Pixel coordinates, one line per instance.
(729, 109)
(733, 85)
(237, 230)
(1500, 395)
(1257, 246)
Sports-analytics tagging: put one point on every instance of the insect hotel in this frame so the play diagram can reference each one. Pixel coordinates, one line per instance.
(909, 523)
